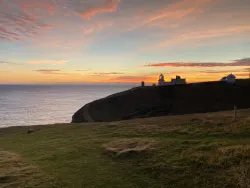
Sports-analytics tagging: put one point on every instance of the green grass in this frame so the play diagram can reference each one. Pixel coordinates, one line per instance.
(200, 150)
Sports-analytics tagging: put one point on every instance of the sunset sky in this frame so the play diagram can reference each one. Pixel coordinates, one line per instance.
(105, 41)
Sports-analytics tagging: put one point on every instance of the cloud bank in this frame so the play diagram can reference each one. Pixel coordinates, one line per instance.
(236, 63)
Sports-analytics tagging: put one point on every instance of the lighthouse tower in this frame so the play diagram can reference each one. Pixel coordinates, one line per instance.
(161, 81)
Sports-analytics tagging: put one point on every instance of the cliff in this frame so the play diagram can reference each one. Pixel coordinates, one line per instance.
(167, 100)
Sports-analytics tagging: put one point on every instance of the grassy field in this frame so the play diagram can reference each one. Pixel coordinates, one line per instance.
(200, 150)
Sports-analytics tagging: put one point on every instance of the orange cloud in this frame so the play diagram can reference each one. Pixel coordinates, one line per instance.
(51, 62)
(45, 26)
(106, 73)
(245, 75)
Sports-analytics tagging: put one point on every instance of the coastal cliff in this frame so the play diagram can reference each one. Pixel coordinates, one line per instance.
(143, 102)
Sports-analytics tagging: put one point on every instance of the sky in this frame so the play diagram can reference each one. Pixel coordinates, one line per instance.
(123, 41)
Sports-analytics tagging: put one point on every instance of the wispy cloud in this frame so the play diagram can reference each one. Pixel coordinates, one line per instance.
(8, 63)
(50, 62)
(4, 62)
(219, 71)
(92, 9)
(243, 61)
(19, 19)
(177, 10)
(133, 79)
(172, 13)
(236, 63)
(48, 71)
(215, 32)
(56, 72)
(106, 73)
(81, 70)
(5, 34)
(201, 37)
(34, 7)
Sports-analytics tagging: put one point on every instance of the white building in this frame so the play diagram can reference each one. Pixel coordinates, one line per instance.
(229, 79)
(176, 81)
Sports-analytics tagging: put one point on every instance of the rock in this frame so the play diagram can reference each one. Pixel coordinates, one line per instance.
(30, 131)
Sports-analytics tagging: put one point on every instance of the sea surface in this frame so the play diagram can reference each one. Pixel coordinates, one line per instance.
(24, 105)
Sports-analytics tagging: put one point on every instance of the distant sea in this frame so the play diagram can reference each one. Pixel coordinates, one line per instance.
(24, 105)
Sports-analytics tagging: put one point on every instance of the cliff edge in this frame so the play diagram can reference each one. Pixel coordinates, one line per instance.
(167, 100)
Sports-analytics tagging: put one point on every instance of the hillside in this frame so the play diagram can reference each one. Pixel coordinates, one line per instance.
(167, 100)
(197, 150)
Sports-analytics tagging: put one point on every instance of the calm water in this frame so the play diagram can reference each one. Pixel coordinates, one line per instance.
(22, 105)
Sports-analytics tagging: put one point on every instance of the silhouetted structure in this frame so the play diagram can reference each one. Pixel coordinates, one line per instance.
(174, 81)
(142, 84)
(178, 80)
(229, 79)
(161, 81)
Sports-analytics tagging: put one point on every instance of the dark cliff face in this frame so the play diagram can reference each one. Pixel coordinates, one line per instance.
(167, 100)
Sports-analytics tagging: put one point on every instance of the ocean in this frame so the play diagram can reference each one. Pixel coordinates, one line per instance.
(25, 105)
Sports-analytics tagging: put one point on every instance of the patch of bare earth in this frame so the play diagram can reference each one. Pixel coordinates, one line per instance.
(14, 172)
(125, 147)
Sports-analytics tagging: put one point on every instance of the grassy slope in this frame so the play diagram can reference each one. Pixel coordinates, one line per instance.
(200, 150)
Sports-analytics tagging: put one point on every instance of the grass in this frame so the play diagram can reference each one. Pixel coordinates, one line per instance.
(199, 150)
(14, 172)
(126, 147)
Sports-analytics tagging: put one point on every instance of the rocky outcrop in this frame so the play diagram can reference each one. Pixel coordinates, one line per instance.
(166, 100)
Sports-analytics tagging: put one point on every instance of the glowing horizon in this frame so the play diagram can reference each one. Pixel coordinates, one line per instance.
(123, 41)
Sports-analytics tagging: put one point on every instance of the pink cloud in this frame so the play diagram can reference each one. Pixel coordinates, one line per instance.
(108, 7)
(173, 12)
(95, 27)
(236, 63)
(215, 32)
(5, 34)
(19, 18)
(32, 6)
(5, 31)
(202, 37)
